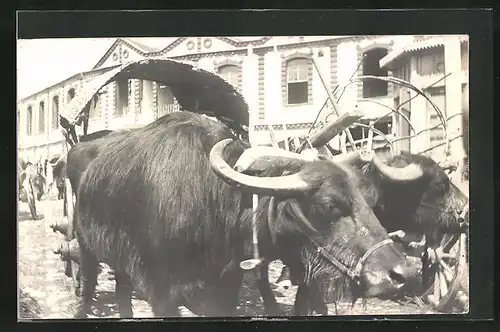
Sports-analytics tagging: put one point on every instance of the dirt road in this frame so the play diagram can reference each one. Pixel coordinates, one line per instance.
(41, 276)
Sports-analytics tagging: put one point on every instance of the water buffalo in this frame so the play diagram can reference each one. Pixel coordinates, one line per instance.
(409, 192)
(415, 195)
(157, 206)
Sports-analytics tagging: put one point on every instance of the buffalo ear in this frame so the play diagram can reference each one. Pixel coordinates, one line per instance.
(369, 192)
(291, 210)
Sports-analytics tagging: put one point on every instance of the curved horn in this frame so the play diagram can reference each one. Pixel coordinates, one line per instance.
(287, 184)
(250, 157)
(408, 173)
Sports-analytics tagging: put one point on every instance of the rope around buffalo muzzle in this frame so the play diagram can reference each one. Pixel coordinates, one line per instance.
(353, 273)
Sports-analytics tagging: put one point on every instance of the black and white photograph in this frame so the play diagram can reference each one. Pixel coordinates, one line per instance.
(255, 176)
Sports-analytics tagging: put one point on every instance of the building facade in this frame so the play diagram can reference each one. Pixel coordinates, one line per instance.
(276, 75)
(440, 67)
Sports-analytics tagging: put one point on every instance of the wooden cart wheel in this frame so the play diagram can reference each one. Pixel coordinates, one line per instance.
(448, 274)
(72, 267)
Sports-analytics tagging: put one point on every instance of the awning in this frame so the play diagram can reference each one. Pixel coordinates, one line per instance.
(416, 45)
(195, 89)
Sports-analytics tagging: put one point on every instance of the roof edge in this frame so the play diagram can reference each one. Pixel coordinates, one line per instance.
(103, 69)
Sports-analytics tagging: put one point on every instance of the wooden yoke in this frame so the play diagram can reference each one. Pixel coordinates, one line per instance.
(334, 127)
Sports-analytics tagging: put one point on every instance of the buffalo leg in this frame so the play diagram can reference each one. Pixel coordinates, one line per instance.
(88, 281)
(225, 294)
(123, 291)
(270, 304)
(301, 307)
(309, 300)
(316, 302)
(161, 303)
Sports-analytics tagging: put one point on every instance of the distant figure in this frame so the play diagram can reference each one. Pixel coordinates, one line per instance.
(45, 167)
(31, 184)
(58, 174)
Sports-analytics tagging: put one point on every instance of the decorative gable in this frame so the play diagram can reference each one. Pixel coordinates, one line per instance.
(208, 44)
(128, 53)
(110, 58)
(183, 45)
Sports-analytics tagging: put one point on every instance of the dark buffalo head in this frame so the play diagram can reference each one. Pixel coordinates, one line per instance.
(415, 194)
(323, 227)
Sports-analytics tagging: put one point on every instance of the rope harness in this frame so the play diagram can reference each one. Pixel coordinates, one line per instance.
(353, 273)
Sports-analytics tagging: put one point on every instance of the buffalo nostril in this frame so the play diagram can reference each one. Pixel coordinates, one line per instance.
(397, 276)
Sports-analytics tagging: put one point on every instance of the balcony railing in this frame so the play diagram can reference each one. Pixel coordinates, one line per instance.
(167, 109)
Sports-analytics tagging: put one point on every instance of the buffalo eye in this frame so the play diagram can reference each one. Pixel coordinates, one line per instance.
(336, 210)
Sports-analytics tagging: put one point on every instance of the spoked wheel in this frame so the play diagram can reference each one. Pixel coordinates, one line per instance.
(446, 273)
(72, 268)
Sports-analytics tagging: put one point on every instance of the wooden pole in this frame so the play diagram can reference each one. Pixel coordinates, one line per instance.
(332, 100)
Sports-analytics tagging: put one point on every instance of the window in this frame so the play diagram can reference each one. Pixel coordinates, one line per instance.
(41, 118)
(29, 121)
(230, 73)
(297, 72)
(431, 62)
(374, 88)
(55, 112)
(124, 90)
(71, 94)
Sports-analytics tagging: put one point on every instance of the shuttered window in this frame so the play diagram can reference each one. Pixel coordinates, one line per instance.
(29, 121)
(55, 112)
(41, 118)
(297, 81)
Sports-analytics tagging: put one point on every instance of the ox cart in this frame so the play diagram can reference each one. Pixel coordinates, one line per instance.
(444, 266)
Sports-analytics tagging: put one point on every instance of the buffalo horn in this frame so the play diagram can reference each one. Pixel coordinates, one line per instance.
(408, 173)
(280, 185)
(250, 158)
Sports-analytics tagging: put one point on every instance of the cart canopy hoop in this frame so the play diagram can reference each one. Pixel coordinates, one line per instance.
(196, 90)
